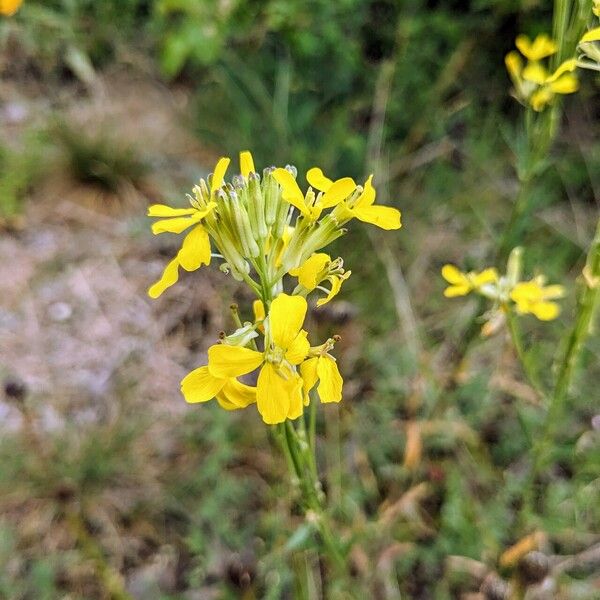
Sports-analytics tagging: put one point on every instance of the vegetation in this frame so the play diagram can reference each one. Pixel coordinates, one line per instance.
(457, 462)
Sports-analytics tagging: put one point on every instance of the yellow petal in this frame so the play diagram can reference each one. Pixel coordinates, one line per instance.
(200, 385)
(308, 370)
(309, 272)
(541, 47)
(317, 179)
(338, 191)
(232, 361)
(286, 317)
(238, 394)
(457, 290)
(291, 192)
(453, 275)
(162, 210)
(298, 349)
(541, 98)
(567, 67)
(273, 394)
(330, 380)
(384, 217)
(545, 311)
(219, 174)
(336, 286)
(9, 7)
(486, 276)
(246, 163)
(195, 250)
(535, 73)
(296, 405)
(258, 308)
(367, 196)
(180, 224)
(567, 84)
(591, 36)
(169, 277)
(514, 65)
(176, 225)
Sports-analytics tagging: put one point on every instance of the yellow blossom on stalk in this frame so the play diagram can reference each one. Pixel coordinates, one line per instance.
(542, 47)
(195, 249)
(9, 7)
(318, 268)
(532, 297)
(362, 207)
(312, 206)
(279, 387)
(596, 8)
(562, 81)
(533, 84)
(322, 368)
(462, 284)
(506, 291)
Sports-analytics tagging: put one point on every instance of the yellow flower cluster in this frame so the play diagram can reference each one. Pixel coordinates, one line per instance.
(507, 291)
(266, 230)
(533, 84)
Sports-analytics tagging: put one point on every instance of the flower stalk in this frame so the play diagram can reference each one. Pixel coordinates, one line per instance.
(586, 309)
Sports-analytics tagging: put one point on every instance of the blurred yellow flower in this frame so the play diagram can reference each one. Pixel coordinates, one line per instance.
(542, 47)
(533, 84)
(562, 81)
(9, 7)
(531, 297)
(462, 284)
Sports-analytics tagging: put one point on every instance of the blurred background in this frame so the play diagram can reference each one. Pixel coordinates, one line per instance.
(110, 485)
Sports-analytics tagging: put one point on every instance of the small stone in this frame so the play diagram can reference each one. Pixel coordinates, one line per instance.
(15, 389)
(60, 311)
(495, 588)
(533, 567)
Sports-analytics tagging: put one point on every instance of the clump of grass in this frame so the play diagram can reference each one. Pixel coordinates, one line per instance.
(19, 170)
(99, 160)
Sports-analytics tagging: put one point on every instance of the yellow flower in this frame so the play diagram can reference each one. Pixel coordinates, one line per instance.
(322, 368)
(464, 283)
(542, 47)
(562, 81)
(231, 394)
(279, 387)
(9, 7)
(362, 208)
(531, 297)
(311, 206)
(195, 249)
(596, 8)
(318, 268)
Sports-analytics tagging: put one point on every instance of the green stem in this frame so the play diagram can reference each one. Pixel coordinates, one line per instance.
(309, 484)
(517, 340)
(586, 308)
